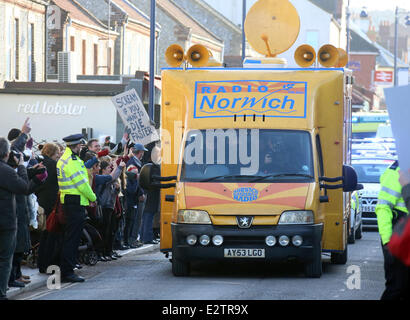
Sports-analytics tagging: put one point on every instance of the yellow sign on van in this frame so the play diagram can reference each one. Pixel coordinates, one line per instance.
(221, 99)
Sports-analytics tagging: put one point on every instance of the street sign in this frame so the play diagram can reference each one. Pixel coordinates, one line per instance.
(383, 76)
(135, 117)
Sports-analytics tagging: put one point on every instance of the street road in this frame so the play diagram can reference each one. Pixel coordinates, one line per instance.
(148, 277)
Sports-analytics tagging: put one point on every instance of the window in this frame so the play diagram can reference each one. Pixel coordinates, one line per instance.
(72, 43)
(320, 156)
(109, 61)
(8, 52)
(370, 172)
(84, 56)
(242, 155)
(30, 60)
(95, 59)
(16, 49)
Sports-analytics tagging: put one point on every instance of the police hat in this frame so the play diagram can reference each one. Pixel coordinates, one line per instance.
(74, 139)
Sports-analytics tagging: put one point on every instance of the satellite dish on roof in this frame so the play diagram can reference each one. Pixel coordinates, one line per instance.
(272, 26)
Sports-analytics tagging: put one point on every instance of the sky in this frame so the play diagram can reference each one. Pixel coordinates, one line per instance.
(380, 4)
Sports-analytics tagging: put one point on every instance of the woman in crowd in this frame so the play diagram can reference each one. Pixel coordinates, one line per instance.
(48, 253)
(107, 190)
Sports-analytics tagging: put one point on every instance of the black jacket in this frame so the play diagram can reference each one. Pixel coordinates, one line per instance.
(47, 192)
(11, 183)
(406, 196)
(152, 205)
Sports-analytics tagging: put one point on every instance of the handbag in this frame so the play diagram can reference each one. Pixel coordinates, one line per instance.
(56, 220)
(399, 244)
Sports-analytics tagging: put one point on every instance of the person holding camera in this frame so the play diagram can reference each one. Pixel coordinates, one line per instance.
(11, 183)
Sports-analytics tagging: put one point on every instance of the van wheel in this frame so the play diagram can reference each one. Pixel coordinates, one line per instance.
(313, 269)
(180, 268)
(339, 258)
(358, 233)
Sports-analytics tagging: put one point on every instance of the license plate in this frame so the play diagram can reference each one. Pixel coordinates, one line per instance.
(244, 253)
(371, 208)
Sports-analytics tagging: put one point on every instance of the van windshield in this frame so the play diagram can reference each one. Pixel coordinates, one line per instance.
(247, 155)
(370, 172)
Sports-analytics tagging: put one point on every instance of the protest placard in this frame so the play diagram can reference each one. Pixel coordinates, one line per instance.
(135, 117)
(397, 101)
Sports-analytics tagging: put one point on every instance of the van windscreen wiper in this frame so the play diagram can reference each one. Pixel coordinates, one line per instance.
(228, 176)
(284, 175)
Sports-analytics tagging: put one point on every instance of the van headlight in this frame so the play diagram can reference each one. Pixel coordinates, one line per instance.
(193, 216)
(296, 217)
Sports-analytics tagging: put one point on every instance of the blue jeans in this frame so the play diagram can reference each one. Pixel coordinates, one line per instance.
(136, 230)
(130, 217)
(147, 220)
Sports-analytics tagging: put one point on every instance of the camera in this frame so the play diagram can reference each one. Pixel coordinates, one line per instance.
(12, 162)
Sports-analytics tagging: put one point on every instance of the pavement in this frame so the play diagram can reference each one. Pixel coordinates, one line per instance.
(39, 280)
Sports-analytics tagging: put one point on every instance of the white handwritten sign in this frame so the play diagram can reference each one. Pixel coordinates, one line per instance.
(135, 117)
(397, 101)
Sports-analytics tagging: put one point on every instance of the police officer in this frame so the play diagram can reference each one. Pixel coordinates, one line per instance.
(390, 208)
(76, 194)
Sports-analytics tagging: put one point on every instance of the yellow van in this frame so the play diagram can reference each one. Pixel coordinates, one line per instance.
(261, 157)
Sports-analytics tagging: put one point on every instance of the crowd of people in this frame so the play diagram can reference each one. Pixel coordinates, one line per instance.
(91, 181)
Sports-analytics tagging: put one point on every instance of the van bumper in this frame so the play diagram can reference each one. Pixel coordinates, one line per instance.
(252, 238)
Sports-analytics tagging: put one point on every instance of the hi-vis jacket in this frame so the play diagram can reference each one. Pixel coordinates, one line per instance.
(72, 178)
(389, 202)
(354, 203)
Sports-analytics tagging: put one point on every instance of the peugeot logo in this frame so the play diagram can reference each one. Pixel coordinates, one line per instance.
(244, 221)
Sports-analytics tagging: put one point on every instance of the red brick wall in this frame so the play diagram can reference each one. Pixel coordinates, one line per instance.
(363, 69)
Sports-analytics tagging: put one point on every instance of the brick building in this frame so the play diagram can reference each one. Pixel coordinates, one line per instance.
(362, 60)
(133, 27)
(77, 30)
(22, 40)
(181, 28)
(386, 39)
(218, 24)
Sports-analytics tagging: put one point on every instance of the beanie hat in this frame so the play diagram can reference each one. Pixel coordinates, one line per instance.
(13, 134)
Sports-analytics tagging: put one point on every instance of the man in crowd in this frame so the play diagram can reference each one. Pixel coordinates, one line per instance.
(11, 183)
(76, 195)
(135, 198)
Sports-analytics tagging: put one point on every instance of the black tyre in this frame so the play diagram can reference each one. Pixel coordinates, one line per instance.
(339, 258)
(358, 233)
(313, 269)
(180, 268)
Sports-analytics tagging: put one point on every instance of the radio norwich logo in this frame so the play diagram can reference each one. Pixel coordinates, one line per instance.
(221, 99)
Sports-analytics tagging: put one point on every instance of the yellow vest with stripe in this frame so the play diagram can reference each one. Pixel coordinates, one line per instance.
(354, 203)
(389, 200)
(72, 178)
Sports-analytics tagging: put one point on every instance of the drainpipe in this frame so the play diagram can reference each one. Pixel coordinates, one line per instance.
(68, 24)
(152, 62)
(124, 27)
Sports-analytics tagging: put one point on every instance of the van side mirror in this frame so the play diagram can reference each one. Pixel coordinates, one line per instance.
(145, 176)
(150, 181)
(348, 178)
